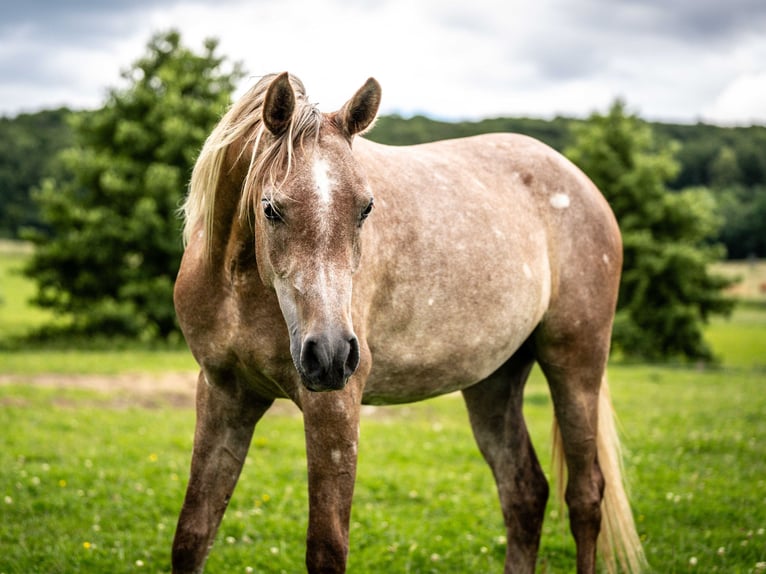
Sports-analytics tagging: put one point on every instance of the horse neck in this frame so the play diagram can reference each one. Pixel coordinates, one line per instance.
(230, 231)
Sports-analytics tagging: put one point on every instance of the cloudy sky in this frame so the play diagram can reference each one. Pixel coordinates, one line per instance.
(672, 60)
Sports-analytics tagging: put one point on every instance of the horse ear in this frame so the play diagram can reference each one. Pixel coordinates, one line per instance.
(278, 104)
(359, 112)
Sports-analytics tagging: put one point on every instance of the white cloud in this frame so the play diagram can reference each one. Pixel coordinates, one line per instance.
(743, 101)
(671, 60)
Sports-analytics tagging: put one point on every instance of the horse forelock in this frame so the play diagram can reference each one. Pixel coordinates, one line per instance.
(270, 157)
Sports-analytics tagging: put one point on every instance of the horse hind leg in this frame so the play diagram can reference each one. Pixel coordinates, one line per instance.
(599, 509)
(574, 364)
(575, 399)
(225, 423)
(495, 411)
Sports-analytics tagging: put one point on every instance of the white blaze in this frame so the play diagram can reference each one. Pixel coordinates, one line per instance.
(323, 187)
(322, 181)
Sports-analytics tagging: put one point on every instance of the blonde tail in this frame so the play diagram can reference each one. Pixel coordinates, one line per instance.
(618, 542)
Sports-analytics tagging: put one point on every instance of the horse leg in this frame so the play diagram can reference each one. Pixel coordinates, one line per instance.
(495, 411)
(331, 423)
(225, 423)
(575, 386)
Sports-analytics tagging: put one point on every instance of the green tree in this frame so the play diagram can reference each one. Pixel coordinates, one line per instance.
(744, 213)
(667, 291)
(114, 246)
(28, 146)
(724, 169)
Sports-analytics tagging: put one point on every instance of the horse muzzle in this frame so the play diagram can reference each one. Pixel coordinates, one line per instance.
(326, 362)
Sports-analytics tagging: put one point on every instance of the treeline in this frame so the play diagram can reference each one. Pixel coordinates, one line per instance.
(29, 147)
(730, 161)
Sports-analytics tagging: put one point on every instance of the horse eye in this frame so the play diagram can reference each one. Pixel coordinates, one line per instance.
(269, 211)
(366, 211)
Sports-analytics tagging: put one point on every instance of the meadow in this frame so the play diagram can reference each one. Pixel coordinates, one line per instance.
(92, 480)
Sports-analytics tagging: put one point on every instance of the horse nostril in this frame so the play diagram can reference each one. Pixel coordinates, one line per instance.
(352, 360)
(314, 359)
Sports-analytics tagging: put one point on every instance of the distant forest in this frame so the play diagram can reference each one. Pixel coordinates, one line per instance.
(731, 161)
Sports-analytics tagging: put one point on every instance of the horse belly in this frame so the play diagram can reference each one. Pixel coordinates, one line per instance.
(456, 331)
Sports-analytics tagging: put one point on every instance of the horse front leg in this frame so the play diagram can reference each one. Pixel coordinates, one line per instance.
(332, 433)
(225, 423)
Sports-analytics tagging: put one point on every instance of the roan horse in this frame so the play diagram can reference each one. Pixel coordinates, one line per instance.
(480, 257)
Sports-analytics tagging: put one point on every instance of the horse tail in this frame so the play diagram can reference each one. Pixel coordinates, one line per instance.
(618, 541)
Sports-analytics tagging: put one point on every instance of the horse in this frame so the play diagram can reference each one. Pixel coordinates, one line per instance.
(332, 271)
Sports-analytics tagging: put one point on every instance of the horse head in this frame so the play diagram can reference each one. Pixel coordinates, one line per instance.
(308, 222)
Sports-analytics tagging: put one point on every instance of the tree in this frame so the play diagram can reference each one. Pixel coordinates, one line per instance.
(724, 170)
(114, 245)
(28, 146)
(744, 211)
(667, 292)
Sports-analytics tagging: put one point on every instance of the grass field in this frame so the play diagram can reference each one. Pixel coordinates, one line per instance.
(92, 481)
(16, 315)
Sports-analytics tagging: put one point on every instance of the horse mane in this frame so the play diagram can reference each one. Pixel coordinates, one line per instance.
(242, 126)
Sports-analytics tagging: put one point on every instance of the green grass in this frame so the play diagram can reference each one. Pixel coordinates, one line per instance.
(17, 316)
(90, 485)
(91, 482)
(94, 362)
(696, 460)
(741, 339)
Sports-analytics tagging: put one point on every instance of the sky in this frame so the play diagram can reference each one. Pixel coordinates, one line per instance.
(670, 60)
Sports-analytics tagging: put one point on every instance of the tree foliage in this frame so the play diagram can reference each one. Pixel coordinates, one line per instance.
(744, 210)
(667, 290)
(113, 248)
(28, 146)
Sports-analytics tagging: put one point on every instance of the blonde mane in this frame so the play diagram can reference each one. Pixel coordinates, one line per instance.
(242, 125)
